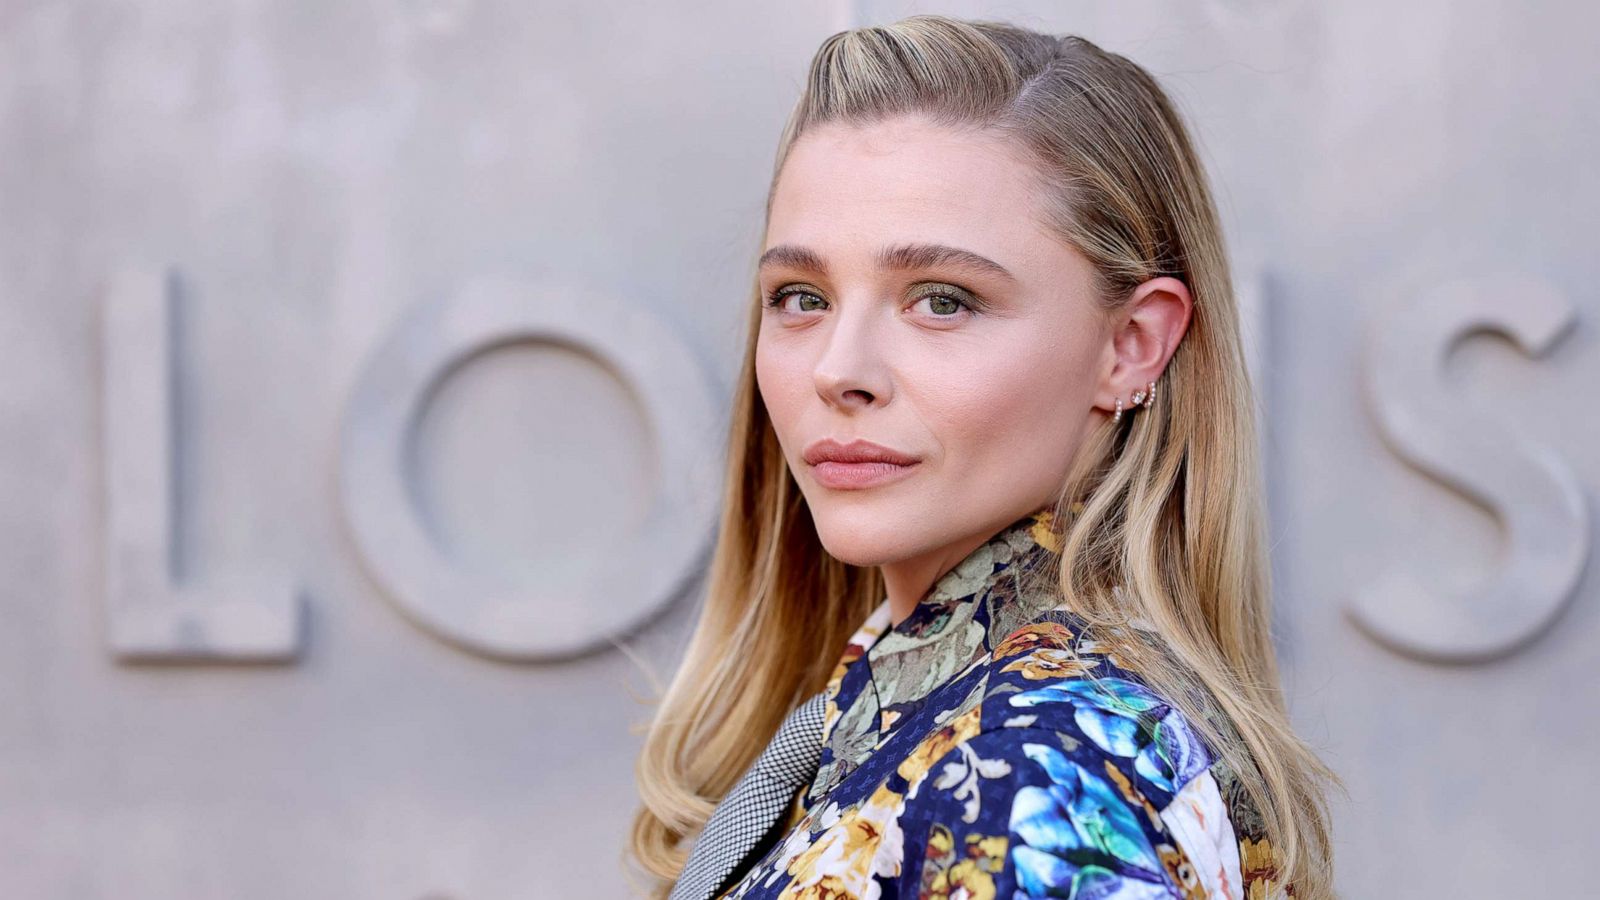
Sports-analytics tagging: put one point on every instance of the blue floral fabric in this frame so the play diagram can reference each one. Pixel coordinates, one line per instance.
(989, 746)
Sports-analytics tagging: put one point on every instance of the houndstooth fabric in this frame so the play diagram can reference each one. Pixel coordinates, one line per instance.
(749, 818)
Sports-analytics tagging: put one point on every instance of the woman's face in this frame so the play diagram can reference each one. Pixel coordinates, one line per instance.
(917, 301)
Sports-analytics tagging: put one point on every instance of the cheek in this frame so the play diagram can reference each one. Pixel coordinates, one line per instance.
(1010, 409)
(779, 379)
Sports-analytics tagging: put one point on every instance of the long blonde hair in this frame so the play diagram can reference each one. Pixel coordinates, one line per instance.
(1167, 518)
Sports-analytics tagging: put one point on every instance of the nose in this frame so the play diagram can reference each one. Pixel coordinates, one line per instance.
(850, 371)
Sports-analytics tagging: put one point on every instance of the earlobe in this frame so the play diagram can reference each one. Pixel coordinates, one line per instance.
(1144, 398)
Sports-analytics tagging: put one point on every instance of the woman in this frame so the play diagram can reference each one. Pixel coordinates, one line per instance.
(993, 438)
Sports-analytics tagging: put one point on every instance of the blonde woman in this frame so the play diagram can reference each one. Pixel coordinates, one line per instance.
(989, 609)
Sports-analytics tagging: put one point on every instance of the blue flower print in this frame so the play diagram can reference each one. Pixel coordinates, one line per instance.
(1077, 838)
(1126, 719)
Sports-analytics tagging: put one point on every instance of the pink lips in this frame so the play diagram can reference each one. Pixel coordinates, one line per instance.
(858, 464)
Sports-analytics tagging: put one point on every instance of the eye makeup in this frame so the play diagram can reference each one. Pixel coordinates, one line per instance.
(932, 291)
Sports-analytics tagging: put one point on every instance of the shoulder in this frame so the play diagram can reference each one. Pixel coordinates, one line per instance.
(1013, 811)
(1069, 777)
(1052, 674)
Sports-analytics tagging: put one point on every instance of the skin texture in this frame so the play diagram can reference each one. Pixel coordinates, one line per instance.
(992, 380)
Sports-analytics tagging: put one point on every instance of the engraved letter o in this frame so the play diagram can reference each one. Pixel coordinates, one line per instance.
(481, 611)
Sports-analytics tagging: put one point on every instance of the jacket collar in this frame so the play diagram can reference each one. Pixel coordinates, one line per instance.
(887, 671)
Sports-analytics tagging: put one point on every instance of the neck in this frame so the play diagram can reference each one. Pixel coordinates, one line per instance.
(908, 581)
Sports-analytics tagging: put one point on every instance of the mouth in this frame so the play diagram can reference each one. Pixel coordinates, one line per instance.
(858, 464)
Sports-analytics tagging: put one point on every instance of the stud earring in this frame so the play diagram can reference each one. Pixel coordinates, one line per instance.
(1143, 397)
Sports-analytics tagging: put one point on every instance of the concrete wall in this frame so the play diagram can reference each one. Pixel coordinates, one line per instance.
(332, 338)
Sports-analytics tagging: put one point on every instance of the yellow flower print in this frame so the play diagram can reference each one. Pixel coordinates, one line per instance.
(1259, 863)
(1255, 856)
(990, 849)
(1106, 649)
(938, 857)
(845, 858)
(1048, 662)
(1182, 872)
(1265, 889)
(799, 839)
(915, 766)
(970, 878)
(1047, 530)
(1029, 637)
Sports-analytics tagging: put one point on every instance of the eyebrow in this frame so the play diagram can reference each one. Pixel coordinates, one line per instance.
(900, 257)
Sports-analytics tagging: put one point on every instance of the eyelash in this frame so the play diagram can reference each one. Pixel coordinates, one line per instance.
(972, 305)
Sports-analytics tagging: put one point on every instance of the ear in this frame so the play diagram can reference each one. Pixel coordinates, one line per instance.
(1142, 339)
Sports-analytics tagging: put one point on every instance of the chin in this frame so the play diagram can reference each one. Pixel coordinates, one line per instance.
(863, 535)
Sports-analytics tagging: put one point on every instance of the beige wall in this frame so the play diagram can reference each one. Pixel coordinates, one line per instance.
(230, 231)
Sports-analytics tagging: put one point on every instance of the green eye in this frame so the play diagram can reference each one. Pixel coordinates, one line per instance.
(945, 301)
(776, 300)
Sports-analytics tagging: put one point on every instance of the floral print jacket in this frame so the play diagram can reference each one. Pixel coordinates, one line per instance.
(987, 746)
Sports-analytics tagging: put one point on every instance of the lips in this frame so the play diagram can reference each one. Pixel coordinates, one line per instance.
(857, 451)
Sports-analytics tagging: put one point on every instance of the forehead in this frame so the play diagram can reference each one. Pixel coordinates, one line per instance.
(906, 179)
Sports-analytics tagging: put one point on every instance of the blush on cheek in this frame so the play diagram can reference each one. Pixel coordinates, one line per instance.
(1012, 429)
(982, 404)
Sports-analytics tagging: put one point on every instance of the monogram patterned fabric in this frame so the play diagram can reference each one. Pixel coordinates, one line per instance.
(988, 746)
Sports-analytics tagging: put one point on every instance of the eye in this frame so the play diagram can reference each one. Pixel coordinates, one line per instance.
(943, 305)
(807, 300)
(946, 301)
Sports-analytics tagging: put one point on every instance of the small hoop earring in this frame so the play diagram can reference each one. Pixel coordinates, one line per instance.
(1143, 398)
